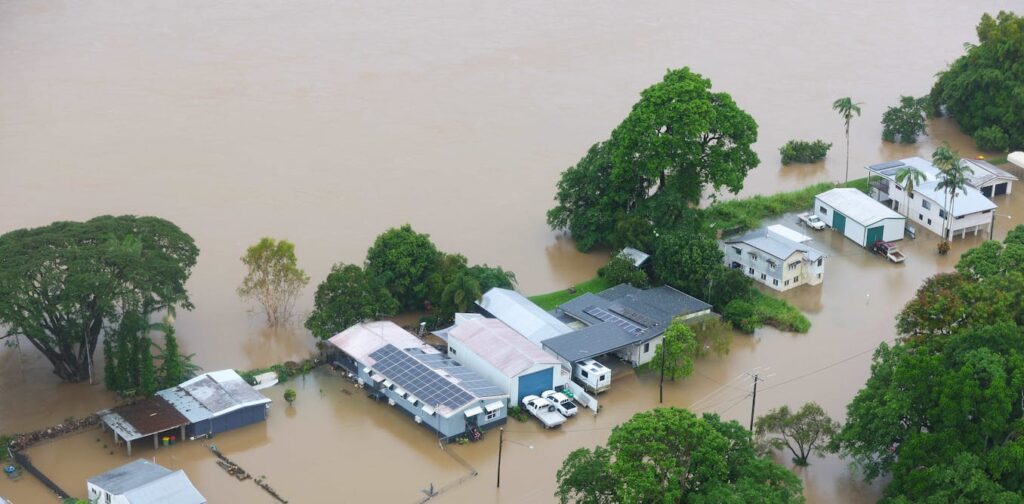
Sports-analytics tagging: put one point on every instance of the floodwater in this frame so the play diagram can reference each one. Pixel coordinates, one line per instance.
(327, 122)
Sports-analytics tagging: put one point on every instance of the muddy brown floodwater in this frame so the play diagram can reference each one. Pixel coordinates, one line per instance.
(327, 122)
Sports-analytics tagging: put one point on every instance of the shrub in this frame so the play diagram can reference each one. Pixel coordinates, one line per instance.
(779, 314)
(518, 413)
(740, 314)
(621, 270)
(289, 395)
(800, 151)
(991, 139)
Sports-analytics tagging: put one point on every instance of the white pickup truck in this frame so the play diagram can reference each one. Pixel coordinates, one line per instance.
(562, 403)
(544, 410)
(812, 221)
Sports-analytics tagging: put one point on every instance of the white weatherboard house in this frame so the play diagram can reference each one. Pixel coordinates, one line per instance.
(772, 257)
(515, 364)
(927, 205)
(143, 482)
(858, 217)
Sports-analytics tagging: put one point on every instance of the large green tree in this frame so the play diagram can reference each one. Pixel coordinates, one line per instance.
(347, 296)
(803, 432)
(984, 88)
(64, 284)
(403, 260)
(273, 279)
(670, 455)
(678, 139)
(941, 412)
(904, 122)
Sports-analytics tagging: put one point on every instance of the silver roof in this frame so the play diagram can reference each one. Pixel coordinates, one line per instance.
(222, 392)
(187, 405)
(143, 482)
(131, 475)
(522, 315)
(776, 245)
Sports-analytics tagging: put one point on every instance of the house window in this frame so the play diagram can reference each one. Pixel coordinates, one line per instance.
(819, 275)
(775, 282)
(753, 256)
(763, 276)
(452, 350)
(793, 265)
(819, 264)
(796, 279)
(942, 214)
(929, 222)
(750, 271)
(583, 373)
(920, 217)
(601, 378)
(771, 265)
(492, 415)
(925, 204)
(737, 251)
(823, 210)
(647, 347)
(107, 498)
(911, 195)
(787, 282)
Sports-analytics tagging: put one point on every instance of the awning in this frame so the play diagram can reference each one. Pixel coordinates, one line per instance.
(474, 411)
(494, 406)
(388, 383)
(367, 370)
(428, 409)
(377, 378)
(400, 391)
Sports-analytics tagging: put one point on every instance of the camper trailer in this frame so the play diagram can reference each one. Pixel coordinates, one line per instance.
(593, 375)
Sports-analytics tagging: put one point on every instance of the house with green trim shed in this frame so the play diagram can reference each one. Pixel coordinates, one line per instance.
(859, 217)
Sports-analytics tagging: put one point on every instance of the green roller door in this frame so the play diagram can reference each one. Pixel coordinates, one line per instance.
(874, 234)
(839, 222)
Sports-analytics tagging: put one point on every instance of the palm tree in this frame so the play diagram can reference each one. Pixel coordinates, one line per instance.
(954, 178)
(847, 108)
(461, 293)
(909, 177)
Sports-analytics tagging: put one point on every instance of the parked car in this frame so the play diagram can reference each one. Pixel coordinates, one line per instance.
(812, 221)
(563, 404)
(544, 410)
(592, 375)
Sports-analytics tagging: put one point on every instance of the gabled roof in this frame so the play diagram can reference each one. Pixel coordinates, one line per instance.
(982, 173)
(143, 482)
(776, 245)
(361, 340)
(222, 392)
(857, 206)
(143, 418)
(522, 315)
(500, 346)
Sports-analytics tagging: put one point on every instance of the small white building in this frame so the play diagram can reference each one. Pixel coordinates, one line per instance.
(775, 259)
(858, 217)
(143, 482)
(506, 358)
(522, 315)
(928, 205)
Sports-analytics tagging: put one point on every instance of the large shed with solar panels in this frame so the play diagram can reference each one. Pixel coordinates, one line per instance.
(437, 392)
(623, 320)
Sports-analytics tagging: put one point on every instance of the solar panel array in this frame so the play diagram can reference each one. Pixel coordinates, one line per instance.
(606, 316)
(418, 379)
(468, 379)
(634, 315)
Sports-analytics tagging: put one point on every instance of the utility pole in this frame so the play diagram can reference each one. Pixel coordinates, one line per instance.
(753, 402)
(501, 441)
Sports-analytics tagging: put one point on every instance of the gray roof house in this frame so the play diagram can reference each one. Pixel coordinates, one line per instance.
(772, 258)
(143, 482)
(623, 320)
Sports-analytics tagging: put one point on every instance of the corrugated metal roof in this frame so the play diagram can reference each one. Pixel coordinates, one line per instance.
(590, 342)
(522, 315)
(187, 405)
(361, 340)
(143, 482)
(223, 391)
(175, 488)
(500, 346)
(143, 418)
(637, 257)
(966, 201)
(1016, 158)
(776, 245)
(857, 206)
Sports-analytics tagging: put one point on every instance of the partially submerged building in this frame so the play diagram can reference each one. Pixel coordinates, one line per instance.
(929, 206)
(774, 257)
(623, 320)
(143, 482)
(522, 315)
(438, 392)
(858, 217)
(208, 404)
(515, 364)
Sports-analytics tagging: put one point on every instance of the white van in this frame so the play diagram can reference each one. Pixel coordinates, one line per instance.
(593, 375)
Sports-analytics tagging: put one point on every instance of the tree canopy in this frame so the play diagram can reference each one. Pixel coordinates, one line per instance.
(274, 279)
(403, 261)
(803, 432)
(904, 122)
(678, 139)
(675, 355)
(942, 410)
(347, 296)
(64, 284)
(984, 88)
(671, 455)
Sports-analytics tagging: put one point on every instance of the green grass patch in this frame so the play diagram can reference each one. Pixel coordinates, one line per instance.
(779, 314)
(734, 216)
(552, 299)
